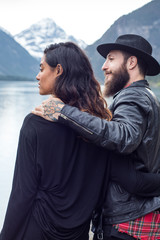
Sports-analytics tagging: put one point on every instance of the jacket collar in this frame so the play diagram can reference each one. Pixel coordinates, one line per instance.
(141, 83)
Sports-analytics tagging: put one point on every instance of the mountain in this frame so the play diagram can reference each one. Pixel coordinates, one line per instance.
(39, 35)
(14, 59)
(144, 21)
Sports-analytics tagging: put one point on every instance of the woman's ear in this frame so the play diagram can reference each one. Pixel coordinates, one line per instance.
(59, 69)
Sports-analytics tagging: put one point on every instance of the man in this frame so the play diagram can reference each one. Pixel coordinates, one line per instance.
(134, 132)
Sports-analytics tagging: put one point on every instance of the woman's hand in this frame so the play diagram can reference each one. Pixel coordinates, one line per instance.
(50, 109)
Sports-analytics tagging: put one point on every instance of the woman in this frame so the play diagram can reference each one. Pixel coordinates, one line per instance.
(59, 177)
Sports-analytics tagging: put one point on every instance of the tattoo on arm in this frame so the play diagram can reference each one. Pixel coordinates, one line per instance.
(52, 109)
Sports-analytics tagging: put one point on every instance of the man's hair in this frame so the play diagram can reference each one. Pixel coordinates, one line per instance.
(76, 85)
(141, 63)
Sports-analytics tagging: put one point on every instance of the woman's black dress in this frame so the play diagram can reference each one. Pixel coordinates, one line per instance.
(57, 183)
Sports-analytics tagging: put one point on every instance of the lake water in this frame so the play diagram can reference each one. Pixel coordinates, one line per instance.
(17, 99)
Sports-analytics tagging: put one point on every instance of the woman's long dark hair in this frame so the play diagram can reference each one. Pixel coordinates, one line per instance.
(77, 85)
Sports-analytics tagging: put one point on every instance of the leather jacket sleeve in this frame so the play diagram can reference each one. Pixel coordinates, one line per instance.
(123, 134)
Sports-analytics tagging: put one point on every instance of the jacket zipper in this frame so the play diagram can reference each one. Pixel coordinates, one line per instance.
(78, 125)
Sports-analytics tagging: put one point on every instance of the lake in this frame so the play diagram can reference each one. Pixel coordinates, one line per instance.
(17, 99)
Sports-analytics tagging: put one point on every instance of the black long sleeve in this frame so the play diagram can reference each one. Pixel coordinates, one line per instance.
(58, 181)
(24, 189)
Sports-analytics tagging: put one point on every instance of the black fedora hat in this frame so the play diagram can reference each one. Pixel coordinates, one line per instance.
(136, 45)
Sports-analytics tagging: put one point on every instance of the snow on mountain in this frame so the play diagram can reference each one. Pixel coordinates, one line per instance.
(39, 35)
(4, 30)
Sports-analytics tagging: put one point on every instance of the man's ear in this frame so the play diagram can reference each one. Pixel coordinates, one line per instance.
(59, 69)
(132, 62)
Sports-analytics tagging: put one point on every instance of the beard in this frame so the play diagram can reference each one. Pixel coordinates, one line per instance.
(117, 83)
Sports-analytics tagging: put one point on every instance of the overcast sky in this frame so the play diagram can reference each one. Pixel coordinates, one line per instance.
(84, 19)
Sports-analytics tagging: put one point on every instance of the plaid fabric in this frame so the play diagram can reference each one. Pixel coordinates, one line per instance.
(146, 227)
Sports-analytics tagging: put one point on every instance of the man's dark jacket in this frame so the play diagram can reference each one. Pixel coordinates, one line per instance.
(133, 132)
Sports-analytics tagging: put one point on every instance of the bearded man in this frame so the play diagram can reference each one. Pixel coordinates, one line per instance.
(133, 133)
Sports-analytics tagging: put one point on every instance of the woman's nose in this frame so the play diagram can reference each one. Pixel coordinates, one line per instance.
(37, 77)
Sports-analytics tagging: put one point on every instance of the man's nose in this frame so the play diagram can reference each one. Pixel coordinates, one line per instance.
(105, 65)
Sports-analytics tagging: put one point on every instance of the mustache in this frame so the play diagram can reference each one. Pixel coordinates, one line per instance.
(107, 72)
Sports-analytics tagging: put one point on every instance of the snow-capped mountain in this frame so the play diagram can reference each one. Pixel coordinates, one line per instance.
(15, 61)
(39, 35)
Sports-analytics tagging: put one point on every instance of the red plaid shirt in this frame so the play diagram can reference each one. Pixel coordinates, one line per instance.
(146, 227)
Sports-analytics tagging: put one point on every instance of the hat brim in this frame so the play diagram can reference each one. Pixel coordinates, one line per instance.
(153, 67)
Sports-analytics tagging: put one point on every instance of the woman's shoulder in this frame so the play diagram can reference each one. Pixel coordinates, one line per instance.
(29, 117)
(38, 124)
(34, 120)
(28, 128)
(30, 120)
